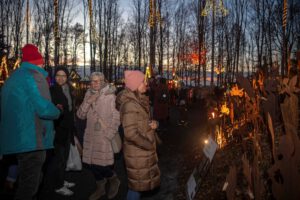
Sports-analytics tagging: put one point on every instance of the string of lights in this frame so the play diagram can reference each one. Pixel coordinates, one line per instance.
(210, 6)
(56, 33)
(154, 16)
(284, 16)
(94, 35)
(3, 70)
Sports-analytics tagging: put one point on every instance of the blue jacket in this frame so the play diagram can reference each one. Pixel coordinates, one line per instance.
(26, 111)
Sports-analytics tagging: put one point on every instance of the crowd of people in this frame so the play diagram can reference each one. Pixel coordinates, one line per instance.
(37, 119)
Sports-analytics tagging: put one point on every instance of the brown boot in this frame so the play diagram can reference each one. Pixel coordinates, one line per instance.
(100, 190)
(113, 186)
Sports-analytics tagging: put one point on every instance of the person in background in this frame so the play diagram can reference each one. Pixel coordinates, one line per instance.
(140, 138)
(161, 104)
(26, 127)
(61, 93)
(103, 120)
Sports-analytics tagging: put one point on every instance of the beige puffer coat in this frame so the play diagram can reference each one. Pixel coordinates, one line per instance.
(97, 148)
(139, 142)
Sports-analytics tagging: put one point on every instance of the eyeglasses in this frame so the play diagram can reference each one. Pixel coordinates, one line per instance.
(61, 76)
(95, 81)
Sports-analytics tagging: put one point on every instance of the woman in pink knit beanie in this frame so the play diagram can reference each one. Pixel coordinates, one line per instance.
(140, 138)
(134, 80)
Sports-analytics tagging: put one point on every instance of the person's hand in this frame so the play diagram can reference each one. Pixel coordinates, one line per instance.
(60, 107)
(102, 122)
(153, 124)
(91, 99)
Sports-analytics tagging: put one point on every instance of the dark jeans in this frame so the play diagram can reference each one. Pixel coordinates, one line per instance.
(30, 174)
(61, 158)
(100, 172)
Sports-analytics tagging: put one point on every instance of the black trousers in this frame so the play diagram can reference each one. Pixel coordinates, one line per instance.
(100, 172)
(60, 161)
(30, 174)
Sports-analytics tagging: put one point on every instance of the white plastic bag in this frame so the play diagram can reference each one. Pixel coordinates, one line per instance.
(74, 160)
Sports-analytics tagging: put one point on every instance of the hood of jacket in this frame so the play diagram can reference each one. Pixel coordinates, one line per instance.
(127, 95)
(124, 96)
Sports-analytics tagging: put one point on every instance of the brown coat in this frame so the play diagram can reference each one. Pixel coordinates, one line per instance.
(97, 148)
(139, 142)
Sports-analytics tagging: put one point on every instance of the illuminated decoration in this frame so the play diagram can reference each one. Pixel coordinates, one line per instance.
(219, 71)
(3, 70)
(284, 15)
(225, 109)
(154, 15)
(74, 85)
(94, 35)
(236, 92)
(74, 76)
(148, 73)
(194, 58)
(220, 139)
(210, 5)
(17, 64)
(56, 33)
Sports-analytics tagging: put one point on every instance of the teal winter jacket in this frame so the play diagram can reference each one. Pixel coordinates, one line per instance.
(26, 111)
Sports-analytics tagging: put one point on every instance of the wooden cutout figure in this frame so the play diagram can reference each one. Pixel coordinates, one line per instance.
(231, 113)
(245, 84)
(247, 172)
(289, 108)
(271, 129)
(235, 91)
(259, 189)
(231, 180)
(284, 173)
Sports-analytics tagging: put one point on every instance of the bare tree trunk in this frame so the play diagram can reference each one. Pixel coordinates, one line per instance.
(84, 36)
(152, 34)
(27, 21)
(213, 45)
(56, 36)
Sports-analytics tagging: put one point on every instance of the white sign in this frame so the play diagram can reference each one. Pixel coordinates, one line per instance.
(210, 148)
(191, 187)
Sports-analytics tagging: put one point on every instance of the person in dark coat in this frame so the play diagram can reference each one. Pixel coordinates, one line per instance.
(161, 104)
(62, 97)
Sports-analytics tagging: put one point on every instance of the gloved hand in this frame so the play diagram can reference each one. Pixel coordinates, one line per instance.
(92, 98)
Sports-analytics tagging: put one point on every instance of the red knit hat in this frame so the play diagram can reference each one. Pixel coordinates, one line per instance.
(133, 79)
(32, 55)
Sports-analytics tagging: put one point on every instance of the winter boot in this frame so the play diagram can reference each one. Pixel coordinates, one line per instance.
(113, 186)
(100, 190)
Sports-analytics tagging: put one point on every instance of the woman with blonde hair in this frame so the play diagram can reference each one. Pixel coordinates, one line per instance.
(103, 120)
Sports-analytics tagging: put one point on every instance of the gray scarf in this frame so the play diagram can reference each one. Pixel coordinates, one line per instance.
(66, 91)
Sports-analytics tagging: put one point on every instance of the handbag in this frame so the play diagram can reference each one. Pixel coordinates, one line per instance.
(116, 143)
(74, 160)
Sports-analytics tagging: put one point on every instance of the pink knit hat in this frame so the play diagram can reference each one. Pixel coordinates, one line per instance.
(133, 79)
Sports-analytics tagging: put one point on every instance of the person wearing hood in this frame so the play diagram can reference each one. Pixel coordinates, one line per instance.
(61, 94)
(27, 114)
(140, 138)
(103, 120)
